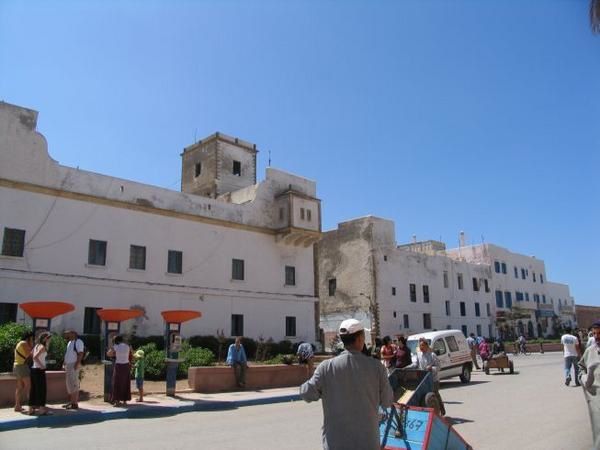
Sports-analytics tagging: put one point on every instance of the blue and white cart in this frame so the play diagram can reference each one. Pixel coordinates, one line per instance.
(408, 424)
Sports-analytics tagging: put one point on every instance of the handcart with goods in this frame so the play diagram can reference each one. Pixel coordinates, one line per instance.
(408, 424)
(499, 361)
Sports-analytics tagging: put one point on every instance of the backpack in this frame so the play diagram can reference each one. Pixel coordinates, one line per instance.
(86, 352)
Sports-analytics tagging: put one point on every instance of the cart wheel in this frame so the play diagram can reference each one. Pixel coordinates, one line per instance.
(511, 367)
(431, 401)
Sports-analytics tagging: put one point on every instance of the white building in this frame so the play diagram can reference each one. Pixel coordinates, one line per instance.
(238, 251)
(520, 281)
(395, 289)
(411, 288)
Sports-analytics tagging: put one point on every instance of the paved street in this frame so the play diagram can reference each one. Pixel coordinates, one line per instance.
(531, 410)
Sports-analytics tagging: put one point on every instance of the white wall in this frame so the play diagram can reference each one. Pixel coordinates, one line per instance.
(58, 230)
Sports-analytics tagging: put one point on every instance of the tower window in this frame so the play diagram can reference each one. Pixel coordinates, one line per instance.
(197, 169)
(237, 168)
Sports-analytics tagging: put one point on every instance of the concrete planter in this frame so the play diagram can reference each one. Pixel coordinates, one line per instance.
(221, 378)
(56, 388)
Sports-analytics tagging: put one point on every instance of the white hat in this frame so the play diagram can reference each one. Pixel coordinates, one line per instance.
(350, 326)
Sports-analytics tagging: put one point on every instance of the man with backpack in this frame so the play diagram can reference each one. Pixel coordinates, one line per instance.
(72, 365)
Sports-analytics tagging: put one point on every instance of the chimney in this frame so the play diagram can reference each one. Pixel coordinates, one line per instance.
(414, 238)
(461, 240)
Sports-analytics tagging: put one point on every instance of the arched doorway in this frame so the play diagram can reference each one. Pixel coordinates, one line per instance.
(530, 333)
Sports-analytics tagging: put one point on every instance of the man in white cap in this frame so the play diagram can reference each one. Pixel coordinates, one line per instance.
(351, 386)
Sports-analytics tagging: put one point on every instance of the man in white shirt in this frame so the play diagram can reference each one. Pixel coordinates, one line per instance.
(351, 387)
(571, 354)
(72, 365)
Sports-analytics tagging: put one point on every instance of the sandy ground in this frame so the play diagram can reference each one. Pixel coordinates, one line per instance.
(92, 384)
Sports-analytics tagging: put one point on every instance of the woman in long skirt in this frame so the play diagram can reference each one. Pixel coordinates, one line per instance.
(37, 394)
(121, 382)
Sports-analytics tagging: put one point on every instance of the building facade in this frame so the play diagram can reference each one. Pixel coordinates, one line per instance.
(240, 252)
(524, 300)
(587, 315)
(393, 289)
(421, 286)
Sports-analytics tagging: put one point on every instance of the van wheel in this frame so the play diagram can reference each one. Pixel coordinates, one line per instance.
(465, 376)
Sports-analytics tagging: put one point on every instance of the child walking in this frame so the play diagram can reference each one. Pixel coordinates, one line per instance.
(140, 365)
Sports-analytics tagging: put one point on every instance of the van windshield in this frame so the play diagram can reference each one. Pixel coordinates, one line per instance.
(413, 344)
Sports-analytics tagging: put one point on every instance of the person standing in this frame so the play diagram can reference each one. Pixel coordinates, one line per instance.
(589, 378)
(427, 360)
(484, 350)
(472, 344)
(37, 394)
(571, 356)
(121, 385)
(236, 358)
(140, 367)
(351, 386)
(403, 355)
(72, 366)
(387, 354)
(522, 344)
(21, 369)
(306, 356)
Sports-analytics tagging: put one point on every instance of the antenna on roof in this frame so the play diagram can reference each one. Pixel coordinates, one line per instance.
(195, 133)
(269, 158)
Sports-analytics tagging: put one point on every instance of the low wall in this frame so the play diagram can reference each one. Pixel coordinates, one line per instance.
(56, 388)
(535, 348)
(222, 379)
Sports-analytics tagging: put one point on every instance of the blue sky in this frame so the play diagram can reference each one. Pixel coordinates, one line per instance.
(443, 116)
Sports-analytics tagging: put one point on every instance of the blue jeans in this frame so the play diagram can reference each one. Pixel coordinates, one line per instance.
(571, 361)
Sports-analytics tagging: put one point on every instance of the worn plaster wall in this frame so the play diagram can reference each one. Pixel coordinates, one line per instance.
(227, 153)
(348, 255)
(204, 184)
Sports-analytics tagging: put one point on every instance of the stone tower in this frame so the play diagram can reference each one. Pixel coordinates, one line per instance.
(218, 164)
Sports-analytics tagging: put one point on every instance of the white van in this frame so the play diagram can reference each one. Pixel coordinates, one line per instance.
(452, 350)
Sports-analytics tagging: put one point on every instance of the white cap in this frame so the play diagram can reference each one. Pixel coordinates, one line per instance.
(350, 326)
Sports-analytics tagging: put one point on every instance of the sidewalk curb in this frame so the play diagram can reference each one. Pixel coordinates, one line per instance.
(88, 417)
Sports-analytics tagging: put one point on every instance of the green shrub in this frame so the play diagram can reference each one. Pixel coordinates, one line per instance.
(56, 352)
(212, 343)
(10, 335)
(281, 359)
(139, 341)
(282, 348)
(156, 367)
(250, 346)
(209, 342)
(194, 357)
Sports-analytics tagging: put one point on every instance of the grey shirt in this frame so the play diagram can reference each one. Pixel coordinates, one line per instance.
(424, 360)
(352, 386)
